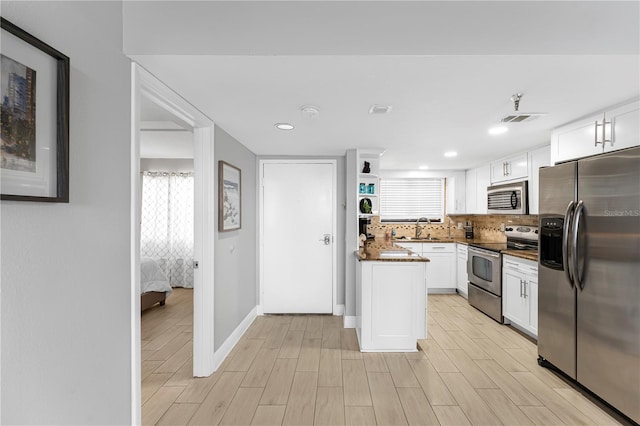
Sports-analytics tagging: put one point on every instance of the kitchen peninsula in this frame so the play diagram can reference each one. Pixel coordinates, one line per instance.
(391, 298)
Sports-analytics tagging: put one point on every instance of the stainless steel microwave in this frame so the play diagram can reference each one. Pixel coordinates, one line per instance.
(508, 198)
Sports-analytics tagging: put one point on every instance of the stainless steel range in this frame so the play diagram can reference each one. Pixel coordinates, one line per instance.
(484, 268)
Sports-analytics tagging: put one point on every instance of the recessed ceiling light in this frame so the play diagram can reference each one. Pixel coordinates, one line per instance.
(450, 154)
(284, 126)
(497, 130)
(310, 111)
(423, 167)
(377, 109)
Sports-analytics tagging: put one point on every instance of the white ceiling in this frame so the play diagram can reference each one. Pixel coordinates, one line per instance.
(447, 68)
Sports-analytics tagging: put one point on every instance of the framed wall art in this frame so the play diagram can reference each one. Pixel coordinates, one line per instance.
(229, 197)
(34, 146)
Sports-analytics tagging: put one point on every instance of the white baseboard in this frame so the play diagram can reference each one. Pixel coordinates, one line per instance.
(338, 310)
(349, 322)
(224, 350)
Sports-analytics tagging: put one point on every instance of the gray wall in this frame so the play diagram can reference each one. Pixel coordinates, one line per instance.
(338, 239)
(65, 273)
(235, 251)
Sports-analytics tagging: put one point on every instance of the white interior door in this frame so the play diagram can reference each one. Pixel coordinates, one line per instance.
(297, 237)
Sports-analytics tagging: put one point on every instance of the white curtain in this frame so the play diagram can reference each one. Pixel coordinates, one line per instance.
(167, 224)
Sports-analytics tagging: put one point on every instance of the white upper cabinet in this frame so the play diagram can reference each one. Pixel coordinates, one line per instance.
(541, 157)
(510, 168)
(607, 131)
(477, 181)
(483, 180)
(455, 194)
(471, 193)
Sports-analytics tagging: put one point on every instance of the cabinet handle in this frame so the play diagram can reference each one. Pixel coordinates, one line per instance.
(596, 134)
(504, 169)
(525, 289)
(613, 133)
(520, 288)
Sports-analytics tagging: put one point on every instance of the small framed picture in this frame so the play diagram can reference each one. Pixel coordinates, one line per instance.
(34, 146)
(229, 197)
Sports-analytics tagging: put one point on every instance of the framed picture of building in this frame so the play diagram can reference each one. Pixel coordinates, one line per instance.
(229, 197)
(34, 102)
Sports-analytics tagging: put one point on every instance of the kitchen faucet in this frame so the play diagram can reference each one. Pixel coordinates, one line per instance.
(418, 230)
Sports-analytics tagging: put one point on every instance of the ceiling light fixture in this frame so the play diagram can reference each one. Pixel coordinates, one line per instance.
(498, 130)
(450, 154)
(284, 126)
(423, 167)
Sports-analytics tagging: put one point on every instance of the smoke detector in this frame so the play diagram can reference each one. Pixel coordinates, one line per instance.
(377, 109)
(310, 111)
(517, 116)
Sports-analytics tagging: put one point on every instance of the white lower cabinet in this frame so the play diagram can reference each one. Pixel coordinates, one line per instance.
(462, 278)
(520, 293)
(391, 305)
(441, 269)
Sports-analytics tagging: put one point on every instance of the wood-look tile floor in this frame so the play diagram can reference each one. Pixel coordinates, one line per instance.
(305, 370)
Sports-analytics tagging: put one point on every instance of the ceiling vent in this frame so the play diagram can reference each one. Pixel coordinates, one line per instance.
(520, 117)
(379, 109)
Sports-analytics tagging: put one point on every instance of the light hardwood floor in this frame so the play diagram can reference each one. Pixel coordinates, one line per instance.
(304, 370)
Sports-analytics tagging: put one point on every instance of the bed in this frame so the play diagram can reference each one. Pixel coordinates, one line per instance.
(154, 285)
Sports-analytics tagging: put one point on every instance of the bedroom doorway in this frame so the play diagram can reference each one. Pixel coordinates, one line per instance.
(150, 93)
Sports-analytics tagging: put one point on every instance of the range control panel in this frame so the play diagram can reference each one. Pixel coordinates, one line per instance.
(523, 232)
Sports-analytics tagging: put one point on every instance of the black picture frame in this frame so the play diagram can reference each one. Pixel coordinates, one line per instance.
(229, 197)
(61, 116)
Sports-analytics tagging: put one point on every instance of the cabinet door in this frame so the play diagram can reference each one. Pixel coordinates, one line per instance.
(538, 158)
(471, 192)
(394, 291)
(441, 270)
(575, 140)
(514, 305)
(483, 180)
(455, 193)
(498, 171)
(462, 278)
(517, 167)
(626, 127)
(532, 296)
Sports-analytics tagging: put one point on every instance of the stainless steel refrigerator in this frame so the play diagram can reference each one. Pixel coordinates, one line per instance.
(589, 275)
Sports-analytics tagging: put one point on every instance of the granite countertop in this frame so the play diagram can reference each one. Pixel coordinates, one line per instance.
(380, 255)
(439, 240)
(524, 254)
(372, 252)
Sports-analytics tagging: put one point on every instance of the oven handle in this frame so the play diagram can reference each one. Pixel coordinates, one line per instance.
(483, 252)
(568, 219)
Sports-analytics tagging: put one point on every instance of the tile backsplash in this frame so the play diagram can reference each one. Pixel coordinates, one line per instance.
(485, 227)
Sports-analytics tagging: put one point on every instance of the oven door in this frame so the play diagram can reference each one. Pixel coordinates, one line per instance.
(484, 268)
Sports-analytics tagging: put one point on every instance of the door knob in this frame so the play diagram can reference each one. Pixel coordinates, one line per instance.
(326, 239)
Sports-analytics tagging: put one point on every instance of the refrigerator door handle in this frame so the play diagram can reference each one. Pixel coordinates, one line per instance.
(568, 216)
(574, 244)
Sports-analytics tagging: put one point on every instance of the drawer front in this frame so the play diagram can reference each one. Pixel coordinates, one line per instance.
(438, 248)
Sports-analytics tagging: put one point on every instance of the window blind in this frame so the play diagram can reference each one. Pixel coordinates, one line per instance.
(411, 198)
